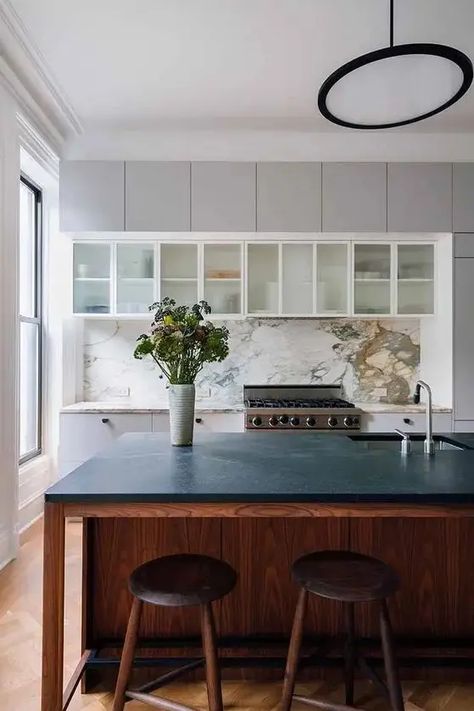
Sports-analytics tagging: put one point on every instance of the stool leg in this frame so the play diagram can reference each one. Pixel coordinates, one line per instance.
(213, 677)
(128, 653)
(349, 653)
(391, 668)
(294, 652)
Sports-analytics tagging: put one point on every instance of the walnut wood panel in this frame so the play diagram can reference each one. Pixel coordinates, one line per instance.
(263, 550)
(264, 510)
(434, 560)
(119, 546)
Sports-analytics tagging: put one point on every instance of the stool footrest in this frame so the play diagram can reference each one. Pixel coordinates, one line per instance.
(169, 676)
(157, 702)
(324, 705)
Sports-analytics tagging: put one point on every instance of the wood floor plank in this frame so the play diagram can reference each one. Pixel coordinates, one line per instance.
(20, 652)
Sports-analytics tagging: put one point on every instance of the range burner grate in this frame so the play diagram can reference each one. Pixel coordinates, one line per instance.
(294, 404)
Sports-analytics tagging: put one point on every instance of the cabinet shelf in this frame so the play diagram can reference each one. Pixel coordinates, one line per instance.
(372, 281)
(416, 280)
(180, 279)
(91, 278)
(223, 279)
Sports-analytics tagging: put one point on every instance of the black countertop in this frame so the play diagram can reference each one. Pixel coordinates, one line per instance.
(267, 467)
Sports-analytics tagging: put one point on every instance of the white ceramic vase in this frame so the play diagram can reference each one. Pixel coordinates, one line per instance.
(181, 402)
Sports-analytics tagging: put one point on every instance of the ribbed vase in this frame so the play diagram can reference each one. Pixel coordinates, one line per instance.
(181, 400)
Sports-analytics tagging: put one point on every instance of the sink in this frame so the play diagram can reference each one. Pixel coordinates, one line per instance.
(393, 443)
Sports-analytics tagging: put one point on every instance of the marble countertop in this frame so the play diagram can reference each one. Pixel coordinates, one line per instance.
(259, 467)
(139, 408)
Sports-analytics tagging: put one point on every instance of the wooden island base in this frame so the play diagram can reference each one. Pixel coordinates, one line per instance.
(431, 549)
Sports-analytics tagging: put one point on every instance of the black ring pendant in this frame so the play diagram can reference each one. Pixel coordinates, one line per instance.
(436, 50)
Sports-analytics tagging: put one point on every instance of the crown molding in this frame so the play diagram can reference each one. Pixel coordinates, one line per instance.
(24, 72)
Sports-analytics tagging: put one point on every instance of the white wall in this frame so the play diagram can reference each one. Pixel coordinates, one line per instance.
(227, 144)
(9, 179)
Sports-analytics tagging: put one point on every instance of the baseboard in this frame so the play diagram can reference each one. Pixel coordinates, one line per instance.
(30, 512)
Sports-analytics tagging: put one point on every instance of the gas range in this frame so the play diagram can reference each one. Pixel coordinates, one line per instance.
(298, 407)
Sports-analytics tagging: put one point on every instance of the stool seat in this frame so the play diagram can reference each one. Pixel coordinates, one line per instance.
(182, 580)
(345, 576)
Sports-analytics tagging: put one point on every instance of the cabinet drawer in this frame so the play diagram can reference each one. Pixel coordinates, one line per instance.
(407, 422)
(226, 422)
(464, 426)
(83, 435)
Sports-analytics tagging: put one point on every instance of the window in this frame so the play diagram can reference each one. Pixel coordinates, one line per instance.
(30, 230)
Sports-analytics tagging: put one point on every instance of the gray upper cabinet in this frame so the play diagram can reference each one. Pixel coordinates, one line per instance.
(91, 195)
(223, 197)
(157, 196)
(463, 338)
(289, 197)
(463, 197)
(420, 197)
(354, 197)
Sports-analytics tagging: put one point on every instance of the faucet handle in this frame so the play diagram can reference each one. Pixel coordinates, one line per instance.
(416, 396)
(405, 445)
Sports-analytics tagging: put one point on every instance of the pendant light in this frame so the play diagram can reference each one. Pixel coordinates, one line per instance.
(396, 85)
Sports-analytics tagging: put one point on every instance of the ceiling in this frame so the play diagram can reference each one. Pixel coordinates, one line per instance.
(142, 64)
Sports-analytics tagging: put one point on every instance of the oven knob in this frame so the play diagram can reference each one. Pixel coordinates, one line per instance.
(311, 422)
(332, 421)
(283, 419)
(348, 421)
(273, 421)
(355, 421)
(257, 422)
(294, 421)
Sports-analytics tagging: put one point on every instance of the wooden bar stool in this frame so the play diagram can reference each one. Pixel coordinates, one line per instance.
(176, 581)
(348, 578)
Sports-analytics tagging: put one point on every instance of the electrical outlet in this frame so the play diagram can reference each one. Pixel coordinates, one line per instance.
(118, 391)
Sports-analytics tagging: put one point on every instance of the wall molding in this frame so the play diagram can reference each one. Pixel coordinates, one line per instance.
(25, 73)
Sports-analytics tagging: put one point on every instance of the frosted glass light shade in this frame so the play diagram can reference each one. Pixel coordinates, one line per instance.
(395, 86)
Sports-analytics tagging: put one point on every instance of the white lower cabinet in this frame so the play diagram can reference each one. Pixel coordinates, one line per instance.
(464, 426)
(205, 422)
(81, 435)
(407, 422)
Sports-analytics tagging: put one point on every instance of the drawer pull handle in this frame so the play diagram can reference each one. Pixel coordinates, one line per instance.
(105, 420)
(198, 420)
(407, 421)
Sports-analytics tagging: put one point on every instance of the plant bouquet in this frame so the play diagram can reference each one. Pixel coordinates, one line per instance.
(180, 342)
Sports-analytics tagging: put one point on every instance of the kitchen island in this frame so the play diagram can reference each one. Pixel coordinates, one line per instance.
(259, 500)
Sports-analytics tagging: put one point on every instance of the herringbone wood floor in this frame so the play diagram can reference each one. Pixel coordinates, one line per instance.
(20, 651)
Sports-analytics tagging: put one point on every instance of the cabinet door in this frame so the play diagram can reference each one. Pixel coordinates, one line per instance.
(158, 196)
(223, 277)
(91, 195)
(179, 273)
(332, 279)
(372, 279)
(263, 282)
(297, 268)
(223, 197)
(354, 197)
(288, 197)
(463, 197)
(135, 278)
(463, 339)
(91, 278)
(415, 279)
(420, 197)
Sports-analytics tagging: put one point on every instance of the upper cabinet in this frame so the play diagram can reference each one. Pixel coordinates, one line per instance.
(158, 196)
(463, 197)
(223, 197)
(91, 195)
(289, 197)
(420, 197)
(354, 197)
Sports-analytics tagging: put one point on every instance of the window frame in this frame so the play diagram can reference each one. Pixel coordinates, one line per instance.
(37, 319)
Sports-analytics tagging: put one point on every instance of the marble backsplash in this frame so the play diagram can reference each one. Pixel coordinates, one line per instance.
(375, 361)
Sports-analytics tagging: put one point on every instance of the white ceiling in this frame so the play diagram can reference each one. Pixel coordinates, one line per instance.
(143, 64)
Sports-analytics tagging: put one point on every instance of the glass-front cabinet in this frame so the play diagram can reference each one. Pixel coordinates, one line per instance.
(325, 279)
(372, 279)
(222, 277)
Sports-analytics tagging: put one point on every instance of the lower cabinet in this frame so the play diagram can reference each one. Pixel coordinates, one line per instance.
(407, 422)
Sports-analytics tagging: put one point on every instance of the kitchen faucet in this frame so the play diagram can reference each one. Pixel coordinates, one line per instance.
(428, 443)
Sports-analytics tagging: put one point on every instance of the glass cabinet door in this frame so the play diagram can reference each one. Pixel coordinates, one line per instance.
(135, 278)
(91, 278)
(263, 278)
(415, 279)
(372, 279)
(332, 279)
(179, 273)
(223, 278)
(297, 279)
